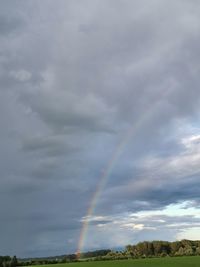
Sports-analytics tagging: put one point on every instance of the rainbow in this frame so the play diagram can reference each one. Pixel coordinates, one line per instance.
(106, 174)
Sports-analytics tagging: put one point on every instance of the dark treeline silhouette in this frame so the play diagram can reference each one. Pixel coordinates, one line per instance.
(96, 253)
(49, 260)
(65, 258)
(7, 261)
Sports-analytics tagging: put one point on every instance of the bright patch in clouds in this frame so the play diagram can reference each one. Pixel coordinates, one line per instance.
(191, 234)
(176, 221)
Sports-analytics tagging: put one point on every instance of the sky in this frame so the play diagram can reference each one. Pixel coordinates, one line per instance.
(99, 103)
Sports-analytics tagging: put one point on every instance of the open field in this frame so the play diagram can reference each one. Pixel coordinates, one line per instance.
(156, 262)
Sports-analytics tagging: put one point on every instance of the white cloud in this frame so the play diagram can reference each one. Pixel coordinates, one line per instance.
(190, 233)
(191, 142)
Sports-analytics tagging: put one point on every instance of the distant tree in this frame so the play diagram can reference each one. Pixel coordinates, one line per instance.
(180, 252)
(189, 252)
(14, 262)
(197, 251)
(175, 247)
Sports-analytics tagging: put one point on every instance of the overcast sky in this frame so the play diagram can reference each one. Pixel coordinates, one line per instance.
(77, 79)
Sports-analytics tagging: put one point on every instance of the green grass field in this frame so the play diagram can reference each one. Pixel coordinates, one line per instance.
(156, 262)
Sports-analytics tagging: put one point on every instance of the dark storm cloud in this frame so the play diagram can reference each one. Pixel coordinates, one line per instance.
(62, 117)
(35, 144)
(50, 145)
(74, 79)
(8, 25)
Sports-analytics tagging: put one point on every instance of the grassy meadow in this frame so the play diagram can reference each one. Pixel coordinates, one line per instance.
(191, 261)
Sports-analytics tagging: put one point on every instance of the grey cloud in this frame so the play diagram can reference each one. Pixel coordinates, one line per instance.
(9, 25)
(50, 145)
(67, 112)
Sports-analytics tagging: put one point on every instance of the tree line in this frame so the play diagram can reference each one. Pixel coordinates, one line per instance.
(65, 258)
(163, 248)
(144, 249)
(148, 249)
(7, 261)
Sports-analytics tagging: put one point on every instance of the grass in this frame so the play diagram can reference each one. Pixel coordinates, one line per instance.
(192, 261)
